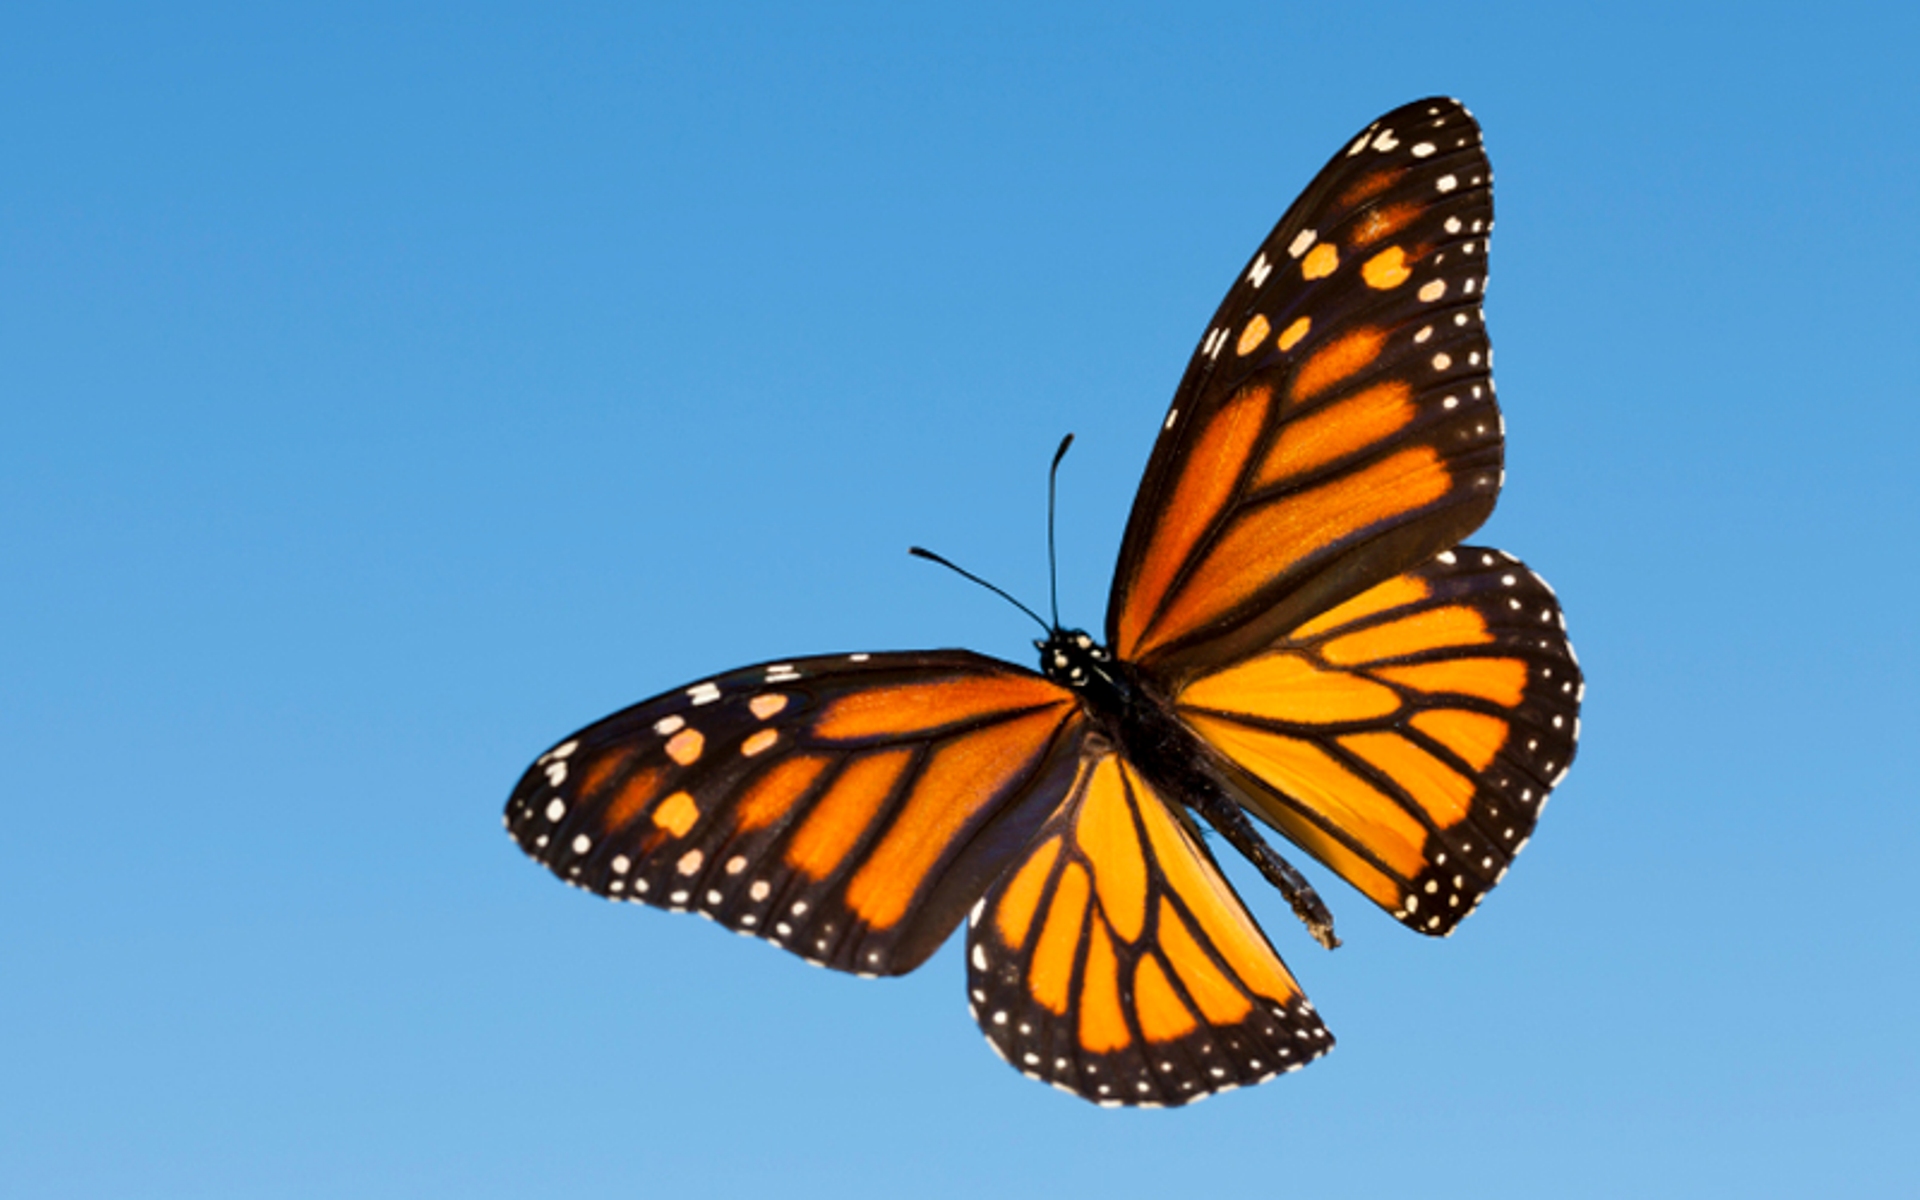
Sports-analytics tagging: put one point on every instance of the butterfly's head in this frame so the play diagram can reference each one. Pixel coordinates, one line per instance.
(1071, 657)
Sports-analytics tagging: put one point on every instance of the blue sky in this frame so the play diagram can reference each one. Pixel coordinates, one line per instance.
(386, 390)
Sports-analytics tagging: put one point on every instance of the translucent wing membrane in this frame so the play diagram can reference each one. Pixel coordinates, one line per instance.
(848, 808)
(1409, 737)
(1116, 962)
(1337, 423)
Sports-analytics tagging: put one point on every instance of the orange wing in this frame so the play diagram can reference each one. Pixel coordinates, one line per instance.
(1337, 424)
(1408, 738)
(1116, 962)
(848, 808)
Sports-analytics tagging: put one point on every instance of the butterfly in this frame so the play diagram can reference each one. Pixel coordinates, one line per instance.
(1294, 635)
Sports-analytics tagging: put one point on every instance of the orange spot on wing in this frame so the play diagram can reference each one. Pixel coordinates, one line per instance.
(685, 747)
(1288, 687)
(759, 742)
(630, 799)
(1475, 737)
(1218, 1000)
(1501, 680)
(1014, 912)
(1319, 783)
(1320, 262)
(1370, 186)
(1366, 418)
(1251, 337)
(676, 814)
(1340, 358)
(1163, 1017)
(841, 816)
(915, 708)
(773, 794)
(1430, 630)
(1050, 974)
(959, 781)
(1401, 589)
(767, 704)
(1382, 222)
(1442, 792)
(1264, 543)
(1387, 269)
(1213, 467)
(1103, 1023)
(1211, 901)
(1106, 836)
(1291, 335)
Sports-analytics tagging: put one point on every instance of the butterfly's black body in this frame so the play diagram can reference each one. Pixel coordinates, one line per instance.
(1129, 710)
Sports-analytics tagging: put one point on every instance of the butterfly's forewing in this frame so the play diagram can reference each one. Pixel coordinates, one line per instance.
(1337, 424)
(848, 808)
(1408, 738)
(1116, 962)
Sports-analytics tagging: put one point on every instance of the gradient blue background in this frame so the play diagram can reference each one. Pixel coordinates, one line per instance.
(390, 388)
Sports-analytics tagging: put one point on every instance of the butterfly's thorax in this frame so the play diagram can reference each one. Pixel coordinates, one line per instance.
(1126, 706)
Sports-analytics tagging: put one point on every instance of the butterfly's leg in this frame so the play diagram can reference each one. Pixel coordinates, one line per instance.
(1231, 821)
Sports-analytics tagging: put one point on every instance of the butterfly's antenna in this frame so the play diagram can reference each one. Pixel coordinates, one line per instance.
(1053, 572)
(918, 552)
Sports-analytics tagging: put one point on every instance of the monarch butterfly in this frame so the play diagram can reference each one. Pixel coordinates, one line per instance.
(1293, 632)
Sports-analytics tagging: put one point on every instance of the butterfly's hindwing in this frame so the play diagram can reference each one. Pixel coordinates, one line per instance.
(1408, 738)
(848, 807)
(1337, 424)
(1115, 961)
